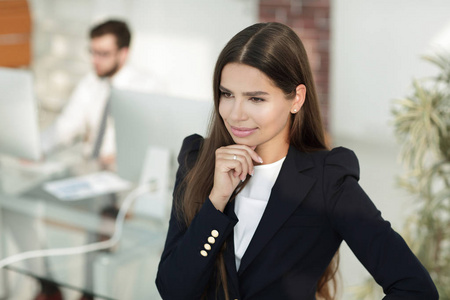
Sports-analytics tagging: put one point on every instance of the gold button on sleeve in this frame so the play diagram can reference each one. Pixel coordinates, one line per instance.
(204, 253)
(207, 246)
(215, 233)
(211, 240)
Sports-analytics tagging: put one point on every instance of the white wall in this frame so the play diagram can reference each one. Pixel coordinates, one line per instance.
(376, 50)
(181, 40)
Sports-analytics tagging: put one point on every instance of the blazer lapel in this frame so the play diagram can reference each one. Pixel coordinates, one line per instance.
(288, 192)
(228, 254)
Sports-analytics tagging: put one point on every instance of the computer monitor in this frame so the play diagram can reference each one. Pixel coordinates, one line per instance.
(142, 120)
(19, 127)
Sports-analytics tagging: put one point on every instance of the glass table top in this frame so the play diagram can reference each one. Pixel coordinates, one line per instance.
(32, 219)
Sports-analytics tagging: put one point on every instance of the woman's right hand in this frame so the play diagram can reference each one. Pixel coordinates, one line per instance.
(233, 163)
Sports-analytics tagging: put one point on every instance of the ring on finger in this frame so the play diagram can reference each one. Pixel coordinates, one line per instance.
(234, 157)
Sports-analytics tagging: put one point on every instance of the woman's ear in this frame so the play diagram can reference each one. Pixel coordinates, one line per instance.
(299, 99)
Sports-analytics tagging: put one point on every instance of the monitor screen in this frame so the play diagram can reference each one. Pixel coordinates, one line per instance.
(142, 120)
(19, 128)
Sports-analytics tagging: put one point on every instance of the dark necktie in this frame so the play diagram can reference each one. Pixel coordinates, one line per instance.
(101, 131)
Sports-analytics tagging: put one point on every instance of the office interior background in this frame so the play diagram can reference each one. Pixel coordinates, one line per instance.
(364, 54)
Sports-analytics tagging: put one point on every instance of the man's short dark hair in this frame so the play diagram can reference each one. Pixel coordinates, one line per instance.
(115, 27)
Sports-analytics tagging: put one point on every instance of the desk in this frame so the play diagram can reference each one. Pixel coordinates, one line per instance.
(32, 219)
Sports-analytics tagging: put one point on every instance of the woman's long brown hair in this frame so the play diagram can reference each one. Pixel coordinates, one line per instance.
(278, 52)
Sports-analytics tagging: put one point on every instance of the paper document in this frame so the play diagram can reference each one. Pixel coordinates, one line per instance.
(87, 186)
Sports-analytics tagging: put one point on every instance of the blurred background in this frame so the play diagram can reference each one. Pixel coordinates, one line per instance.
(364, 54)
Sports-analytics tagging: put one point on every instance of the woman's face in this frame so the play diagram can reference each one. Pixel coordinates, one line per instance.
(255, 111)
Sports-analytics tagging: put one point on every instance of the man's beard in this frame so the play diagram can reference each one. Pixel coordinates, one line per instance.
(110, 72)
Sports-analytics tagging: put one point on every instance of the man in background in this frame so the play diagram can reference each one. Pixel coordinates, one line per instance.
(85, 115)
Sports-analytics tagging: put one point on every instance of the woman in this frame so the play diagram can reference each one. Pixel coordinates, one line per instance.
(260, 206)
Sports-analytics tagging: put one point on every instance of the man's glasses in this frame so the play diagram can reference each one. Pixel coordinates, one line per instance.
(101, 54)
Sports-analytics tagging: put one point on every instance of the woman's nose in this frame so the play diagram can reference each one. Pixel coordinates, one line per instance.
(238, 111)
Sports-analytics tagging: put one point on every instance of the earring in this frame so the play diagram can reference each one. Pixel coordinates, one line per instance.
(295, 110)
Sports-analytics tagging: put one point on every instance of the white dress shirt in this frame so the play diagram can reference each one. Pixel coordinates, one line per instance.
(83, 113)
(250, 204)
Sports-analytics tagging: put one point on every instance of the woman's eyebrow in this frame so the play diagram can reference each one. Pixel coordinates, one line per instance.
(224, 89)
(255, 93)
(247, 94)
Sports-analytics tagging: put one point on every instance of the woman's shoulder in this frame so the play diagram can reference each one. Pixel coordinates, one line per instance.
(333, 168)
(341, 155)
(192, 142)
(339, 160)
(332, 155)
(190, 148)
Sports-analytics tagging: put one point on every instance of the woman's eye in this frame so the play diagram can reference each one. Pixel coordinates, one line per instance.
(226, 94)
(255, 99)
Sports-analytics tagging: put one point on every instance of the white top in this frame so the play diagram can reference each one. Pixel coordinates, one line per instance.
(250, 204)
(84, 110)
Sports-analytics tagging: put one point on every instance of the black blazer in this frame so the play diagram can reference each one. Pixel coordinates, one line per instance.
(315, 203)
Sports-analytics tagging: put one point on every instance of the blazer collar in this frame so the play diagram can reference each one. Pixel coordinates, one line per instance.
(288, 192)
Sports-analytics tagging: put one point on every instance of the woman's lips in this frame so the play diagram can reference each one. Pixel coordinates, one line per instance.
(242, 131)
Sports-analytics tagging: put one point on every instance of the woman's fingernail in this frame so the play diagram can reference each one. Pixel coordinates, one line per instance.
(260, 159)
(253, 172)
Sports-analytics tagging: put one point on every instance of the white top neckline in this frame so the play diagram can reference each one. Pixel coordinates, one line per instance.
(266, 166)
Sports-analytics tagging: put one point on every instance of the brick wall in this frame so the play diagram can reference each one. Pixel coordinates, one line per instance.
(15, 29)
(310, 19)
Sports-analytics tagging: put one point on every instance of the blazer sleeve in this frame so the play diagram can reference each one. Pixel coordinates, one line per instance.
(183, 271)
(381, 250)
